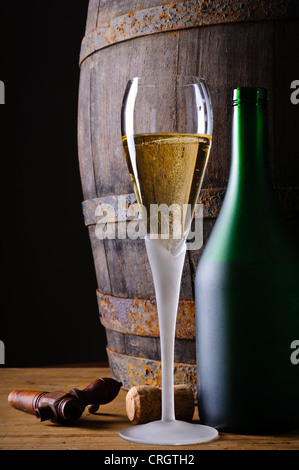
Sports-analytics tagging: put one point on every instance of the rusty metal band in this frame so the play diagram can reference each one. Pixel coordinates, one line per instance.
(124, 207)
(140, 316)
(131, 370)
(182, 15)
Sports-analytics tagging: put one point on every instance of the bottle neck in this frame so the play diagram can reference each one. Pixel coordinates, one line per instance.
(249, 164)
(250, 226)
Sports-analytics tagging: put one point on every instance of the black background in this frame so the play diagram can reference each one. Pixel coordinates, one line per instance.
(49, 312)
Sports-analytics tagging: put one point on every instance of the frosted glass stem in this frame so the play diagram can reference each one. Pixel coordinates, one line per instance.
(167, 272)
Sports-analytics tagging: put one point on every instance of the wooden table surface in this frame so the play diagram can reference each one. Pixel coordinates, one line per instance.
(21, 431)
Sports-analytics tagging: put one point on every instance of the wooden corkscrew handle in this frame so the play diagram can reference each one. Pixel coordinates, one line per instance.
(99, 392)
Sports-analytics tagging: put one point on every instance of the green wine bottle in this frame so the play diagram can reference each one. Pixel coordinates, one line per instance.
(247, 293)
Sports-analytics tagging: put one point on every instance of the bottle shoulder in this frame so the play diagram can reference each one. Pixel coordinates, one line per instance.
(249, 231)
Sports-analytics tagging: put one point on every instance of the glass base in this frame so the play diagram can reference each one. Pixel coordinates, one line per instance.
(169, 433)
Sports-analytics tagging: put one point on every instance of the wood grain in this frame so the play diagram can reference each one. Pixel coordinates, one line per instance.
(248, 45)
(20, 431)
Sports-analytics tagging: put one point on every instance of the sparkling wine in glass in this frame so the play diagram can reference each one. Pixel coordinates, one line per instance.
(167, 132)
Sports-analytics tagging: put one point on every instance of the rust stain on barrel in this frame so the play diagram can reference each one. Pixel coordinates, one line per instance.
(139, 371)
(140, 316)
(182, 15)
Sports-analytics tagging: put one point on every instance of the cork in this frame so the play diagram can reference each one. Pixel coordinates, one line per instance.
(143, 403)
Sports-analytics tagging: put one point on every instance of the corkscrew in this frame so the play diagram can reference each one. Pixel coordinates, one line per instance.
(64, 407)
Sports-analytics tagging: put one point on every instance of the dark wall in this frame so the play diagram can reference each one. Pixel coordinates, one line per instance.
(49, 311)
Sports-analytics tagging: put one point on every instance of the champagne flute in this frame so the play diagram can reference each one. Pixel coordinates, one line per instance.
(167, 129)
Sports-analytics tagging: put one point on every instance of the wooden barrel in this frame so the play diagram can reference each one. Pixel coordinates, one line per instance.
(230, 44)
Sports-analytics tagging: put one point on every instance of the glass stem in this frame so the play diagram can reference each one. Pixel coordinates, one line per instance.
(167, 272)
